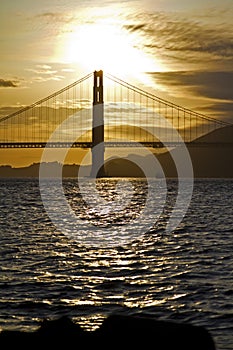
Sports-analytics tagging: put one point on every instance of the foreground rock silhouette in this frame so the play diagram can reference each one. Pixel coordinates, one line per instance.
(116, 330)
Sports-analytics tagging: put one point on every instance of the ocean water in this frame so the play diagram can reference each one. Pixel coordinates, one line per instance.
(184, 276)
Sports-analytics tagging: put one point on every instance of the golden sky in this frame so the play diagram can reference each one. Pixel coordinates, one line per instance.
(179, 50)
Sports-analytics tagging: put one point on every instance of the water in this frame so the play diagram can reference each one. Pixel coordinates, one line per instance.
(185, 276)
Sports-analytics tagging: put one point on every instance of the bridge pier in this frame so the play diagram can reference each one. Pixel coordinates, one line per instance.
(98, 126)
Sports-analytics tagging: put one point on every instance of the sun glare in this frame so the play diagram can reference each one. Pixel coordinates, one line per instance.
(107, 46)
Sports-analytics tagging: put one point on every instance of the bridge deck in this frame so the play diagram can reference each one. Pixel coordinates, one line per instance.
(85, 145)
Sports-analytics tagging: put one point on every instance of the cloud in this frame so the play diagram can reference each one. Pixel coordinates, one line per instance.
(39, 79)
(174, 36)
(42, 69)
(54, 17)
(213, 85)
(211, 90)
(44, 66)
(134, 27)
(196, 50)
(8, 83)
(227, 107)
(44, 73)
(222, 109)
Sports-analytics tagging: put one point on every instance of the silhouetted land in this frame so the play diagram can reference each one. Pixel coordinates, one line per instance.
(123, 332)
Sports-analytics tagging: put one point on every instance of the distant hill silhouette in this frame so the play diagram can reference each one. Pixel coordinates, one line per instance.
(32, 171)
(212, 159)
(221, 135)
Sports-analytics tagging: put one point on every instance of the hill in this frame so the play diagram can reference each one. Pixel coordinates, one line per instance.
(32, 171)
(222, 135)
(213, 158)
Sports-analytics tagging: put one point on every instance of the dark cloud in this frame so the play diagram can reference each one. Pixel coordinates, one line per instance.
(134, 27)
(214, 85)
(223, 111)
(171, 35)
(8, 83)
(226, 107)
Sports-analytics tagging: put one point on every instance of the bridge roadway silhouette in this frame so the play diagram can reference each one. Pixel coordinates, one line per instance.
(86, 145)
(18, 130)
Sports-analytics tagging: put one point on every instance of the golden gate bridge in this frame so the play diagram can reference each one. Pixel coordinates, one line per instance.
(129, 115)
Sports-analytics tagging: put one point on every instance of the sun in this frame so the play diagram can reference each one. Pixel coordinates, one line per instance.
(107, 46)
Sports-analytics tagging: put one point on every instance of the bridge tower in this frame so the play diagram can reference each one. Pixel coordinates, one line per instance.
(98, 126)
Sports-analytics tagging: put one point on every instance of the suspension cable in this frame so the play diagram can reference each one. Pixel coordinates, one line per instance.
(53, 95)
(167, 103)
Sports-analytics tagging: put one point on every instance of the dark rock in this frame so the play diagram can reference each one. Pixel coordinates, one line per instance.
(62, 327)
(127, 332)
(153, 334)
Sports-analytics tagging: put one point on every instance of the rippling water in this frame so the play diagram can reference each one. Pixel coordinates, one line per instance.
(185, 275)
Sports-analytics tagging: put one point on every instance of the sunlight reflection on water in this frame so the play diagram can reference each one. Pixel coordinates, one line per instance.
(184, 276)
